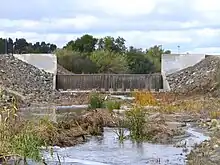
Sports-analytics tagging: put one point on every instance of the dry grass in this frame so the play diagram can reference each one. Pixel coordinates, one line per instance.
(172, 103)
(144, 98)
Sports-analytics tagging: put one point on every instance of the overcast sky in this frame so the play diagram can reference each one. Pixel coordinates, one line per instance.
(192, 24)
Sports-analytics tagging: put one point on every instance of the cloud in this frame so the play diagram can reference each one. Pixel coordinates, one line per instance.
(192, 24)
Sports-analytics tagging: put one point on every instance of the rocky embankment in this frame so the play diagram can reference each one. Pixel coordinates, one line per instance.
(62, 70)
(29, 83)
(202, 78)
(208, 152)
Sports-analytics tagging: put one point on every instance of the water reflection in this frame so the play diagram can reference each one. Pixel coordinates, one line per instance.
(109, 151)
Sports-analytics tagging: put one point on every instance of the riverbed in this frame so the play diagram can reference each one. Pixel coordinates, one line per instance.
(107, 150)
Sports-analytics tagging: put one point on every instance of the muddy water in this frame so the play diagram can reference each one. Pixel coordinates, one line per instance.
(107, 150)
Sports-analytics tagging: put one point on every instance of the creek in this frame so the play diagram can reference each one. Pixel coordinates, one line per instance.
(107, 150)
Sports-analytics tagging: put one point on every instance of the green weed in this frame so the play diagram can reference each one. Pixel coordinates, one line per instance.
(95, 101)
(136, 121)
(111, 105)
(120, 131)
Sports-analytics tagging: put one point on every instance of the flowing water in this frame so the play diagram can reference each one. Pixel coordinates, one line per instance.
(107, 150)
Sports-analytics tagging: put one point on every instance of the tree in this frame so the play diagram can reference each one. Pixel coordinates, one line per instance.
(10, 46)
(85, 44)
(154, 54)
(2, 45)
(109, 43)
(138, 62)
(75, 61)
(120, 45)
(21, 46)
(109, 62)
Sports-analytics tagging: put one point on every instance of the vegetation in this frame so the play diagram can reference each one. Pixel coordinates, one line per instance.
(121, 130)
(22, 46)
(136, 122)
(88, 54)
(110, 55)
(144, 98)
(96, 101)
(18, 138)
(112, 104)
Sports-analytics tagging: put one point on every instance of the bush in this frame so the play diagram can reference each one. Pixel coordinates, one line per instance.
(136, 121)
(95, 101)
(143, 98)
(75, 61)
(111, 105)
(109, 62)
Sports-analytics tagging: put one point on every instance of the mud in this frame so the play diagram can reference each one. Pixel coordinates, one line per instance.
(75, 131)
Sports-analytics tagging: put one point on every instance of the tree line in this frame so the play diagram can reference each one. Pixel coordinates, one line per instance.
(21, 46)
(88, 54)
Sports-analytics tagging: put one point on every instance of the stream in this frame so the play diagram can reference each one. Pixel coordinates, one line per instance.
(107, 150)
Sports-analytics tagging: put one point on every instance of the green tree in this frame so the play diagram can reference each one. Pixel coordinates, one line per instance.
(10, 46)
(138, 62)
(120, 45)
(2, 45)
(154, 54)
(109, 62)
(75, 61)
(85, 44)
(109, 43)
(21, 46)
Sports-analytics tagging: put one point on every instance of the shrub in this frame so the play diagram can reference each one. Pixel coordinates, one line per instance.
(18, 138)
(143, 98)
(136, 121)
(111, 105)
(95, 101)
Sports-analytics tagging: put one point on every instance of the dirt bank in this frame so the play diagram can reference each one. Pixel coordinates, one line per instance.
(72, 132)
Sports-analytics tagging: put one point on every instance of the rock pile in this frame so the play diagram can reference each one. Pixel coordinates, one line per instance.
(32, 86)
(25, 79)
(62, 70)
(202, 78)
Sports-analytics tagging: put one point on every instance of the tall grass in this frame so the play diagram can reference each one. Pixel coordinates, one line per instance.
(120, 131)
(18, 138)
(135, 122)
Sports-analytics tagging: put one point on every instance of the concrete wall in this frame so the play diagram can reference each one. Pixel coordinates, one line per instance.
(171, 63)
(109, 81)
(47, 62)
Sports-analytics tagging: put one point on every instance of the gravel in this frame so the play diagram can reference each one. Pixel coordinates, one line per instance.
(202, 78)
(62, 70)
(33, 84)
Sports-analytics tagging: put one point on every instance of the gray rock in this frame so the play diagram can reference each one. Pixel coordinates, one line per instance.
(202, 78)
(34, 84)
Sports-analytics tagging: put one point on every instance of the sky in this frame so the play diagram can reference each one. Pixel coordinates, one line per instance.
(194, 25)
